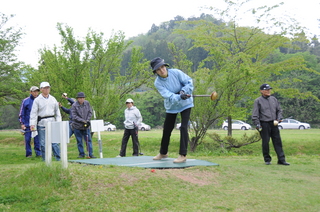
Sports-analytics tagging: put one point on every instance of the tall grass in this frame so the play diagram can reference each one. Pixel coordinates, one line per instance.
(241, 183)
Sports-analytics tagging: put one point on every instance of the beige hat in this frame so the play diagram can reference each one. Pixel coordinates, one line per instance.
(34, 88)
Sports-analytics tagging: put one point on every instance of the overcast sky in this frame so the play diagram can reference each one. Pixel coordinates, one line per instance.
(39, 18)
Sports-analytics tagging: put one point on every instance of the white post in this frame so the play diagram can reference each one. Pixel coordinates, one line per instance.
(48, 144)
(97, 126)
(64, 139)
(57, 132)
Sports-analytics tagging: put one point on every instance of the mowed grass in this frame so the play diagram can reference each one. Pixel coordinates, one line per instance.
(241, 182)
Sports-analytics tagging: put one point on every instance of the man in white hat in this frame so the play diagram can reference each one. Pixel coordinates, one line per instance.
(24, 118)
(132, 120)
(45, 109)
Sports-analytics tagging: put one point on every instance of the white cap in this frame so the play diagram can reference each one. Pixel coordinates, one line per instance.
(44, 84)
(129, 100)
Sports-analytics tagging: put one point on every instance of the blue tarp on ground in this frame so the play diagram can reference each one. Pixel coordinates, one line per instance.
(145, 162)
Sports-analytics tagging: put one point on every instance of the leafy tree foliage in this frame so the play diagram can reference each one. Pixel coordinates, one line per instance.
(237, 67)
(11, 79)
(9, 66)
(92, 66)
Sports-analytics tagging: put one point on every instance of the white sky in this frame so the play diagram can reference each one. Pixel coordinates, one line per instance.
(39, 18)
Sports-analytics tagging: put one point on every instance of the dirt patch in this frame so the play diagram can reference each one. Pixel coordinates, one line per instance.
(200, 178)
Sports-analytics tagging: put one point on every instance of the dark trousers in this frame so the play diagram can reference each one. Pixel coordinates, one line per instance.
(167, 130)
(135, 142)
(27, 139)
(269, 130)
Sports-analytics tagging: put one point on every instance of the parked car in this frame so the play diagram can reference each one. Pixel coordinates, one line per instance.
(144, 127)
(236, 125)
(190, 125)
(293, 124)
(109, 127)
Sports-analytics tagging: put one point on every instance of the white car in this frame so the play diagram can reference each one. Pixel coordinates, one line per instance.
(190, 125)
(109, 127)
(236, 125)
(144, 127)
(293, 124)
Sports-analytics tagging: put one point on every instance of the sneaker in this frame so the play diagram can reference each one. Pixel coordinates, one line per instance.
(160, 156)
(180, 159)
(92, 156)
(81, 156)
(29, 156)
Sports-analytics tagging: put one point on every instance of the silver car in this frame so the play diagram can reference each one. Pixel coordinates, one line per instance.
(109, 127)
(293, 124)
(236, 125)
(144, 127)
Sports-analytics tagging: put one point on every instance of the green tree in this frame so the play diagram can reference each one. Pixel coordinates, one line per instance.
(93, 67)
(11, 85)
(236, 56)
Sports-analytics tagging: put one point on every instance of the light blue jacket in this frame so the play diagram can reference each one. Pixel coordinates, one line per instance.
(170, 87)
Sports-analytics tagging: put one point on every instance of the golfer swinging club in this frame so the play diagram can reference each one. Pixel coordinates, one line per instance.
(176, 88)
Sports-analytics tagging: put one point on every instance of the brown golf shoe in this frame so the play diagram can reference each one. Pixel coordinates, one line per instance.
(180, 159)
(160, 156)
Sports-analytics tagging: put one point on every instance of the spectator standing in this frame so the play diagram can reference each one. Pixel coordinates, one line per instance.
(132, 120)
(81, 115)
(68, 111)
(266, 115)
(176, 88)
(24, 118)
(45, 109)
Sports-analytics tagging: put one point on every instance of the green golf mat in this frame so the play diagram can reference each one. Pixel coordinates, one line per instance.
(145, 162)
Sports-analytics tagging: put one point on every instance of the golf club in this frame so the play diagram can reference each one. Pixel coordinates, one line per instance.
(137, 130)
(87, 144)
(213, 96)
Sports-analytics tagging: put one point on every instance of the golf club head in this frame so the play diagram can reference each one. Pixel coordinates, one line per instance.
(140, 153)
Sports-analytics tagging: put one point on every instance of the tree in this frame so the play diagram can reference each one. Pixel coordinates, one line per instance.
(236, 59)
(9, 66)
(93, 67)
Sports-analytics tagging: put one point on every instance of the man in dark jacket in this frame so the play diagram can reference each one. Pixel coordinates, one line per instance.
(24, 116)
(81, 114)
(68, 111)
(266, 115)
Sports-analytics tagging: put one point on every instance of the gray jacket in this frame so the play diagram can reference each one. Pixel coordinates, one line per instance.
(132, 115)
(266, 109)
(80, 114)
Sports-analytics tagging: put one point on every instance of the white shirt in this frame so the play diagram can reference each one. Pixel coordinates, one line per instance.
(43, 107)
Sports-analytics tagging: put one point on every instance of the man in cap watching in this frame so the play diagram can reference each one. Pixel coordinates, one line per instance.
(132, 120)
(81, 114)
(266, 115)
(24, 118)
(45, 109)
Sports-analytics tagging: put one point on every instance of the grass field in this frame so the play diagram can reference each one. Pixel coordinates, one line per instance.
(241, 182)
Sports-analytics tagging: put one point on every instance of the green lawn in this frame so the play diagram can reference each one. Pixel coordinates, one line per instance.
(241, 182)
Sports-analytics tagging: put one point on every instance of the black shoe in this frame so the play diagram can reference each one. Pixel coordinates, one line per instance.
(81, 156)
(92, 156)
(283, 163)
(268, 163)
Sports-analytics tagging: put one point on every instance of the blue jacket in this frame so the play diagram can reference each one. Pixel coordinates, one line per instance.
(25, 109)
(170, 87)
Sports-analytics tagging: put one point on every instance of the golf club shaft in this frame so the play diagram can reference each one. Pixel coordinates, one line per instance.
(201, 95)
